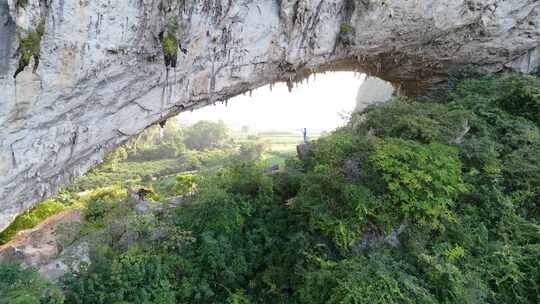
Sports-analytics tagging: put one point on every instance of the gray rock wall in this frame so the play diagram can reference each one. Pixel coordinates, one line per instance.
(373, 90)
(102, 77)
(7, 36)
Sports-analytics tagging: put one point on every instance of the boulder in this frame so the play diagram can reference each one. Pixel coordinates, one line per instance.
(303, 150)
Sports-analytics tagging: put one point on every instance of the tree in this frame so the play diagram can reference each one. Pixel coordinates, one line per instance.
(206, 135)
(252, 151)
(115, 157)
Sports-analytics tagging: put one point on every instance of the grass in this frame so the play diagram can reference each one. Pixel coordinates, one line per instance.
(130, 174)
(277, 158)
(31, 219)
(284, 148)
(280, 142)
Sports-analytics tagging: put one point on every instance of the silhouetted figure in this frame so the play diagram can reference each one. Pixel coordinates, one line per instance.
(142, 193)
(304, 133)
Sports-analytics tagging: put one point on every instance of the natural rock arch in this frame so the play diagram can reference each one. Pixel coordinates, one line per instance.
(102, 77)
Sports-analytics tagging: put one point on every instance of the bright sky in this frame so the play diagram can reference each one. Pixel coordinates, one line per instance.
(315, 105)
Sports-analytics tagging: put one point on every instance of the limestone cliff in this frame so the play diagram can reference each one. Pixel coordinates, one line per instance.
(373, 90)
(78, 78)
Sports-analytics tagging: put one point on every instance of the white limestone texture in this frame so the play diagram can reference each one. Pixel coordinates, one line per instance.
(373, 90)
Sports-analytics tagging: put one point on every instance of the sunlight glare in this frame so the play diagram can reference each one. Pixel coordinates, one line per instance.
(315, 104)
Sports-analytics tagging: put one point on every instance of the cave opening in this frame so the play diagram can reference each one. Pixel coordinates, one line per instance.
(334, 166)
(266, 125)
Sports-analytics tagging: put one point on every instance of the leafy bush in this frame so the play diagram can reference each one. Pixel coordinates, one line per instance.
(162, 151)
(30, 44)
(133, 173)
(377, 278)
(170, 50)
(521, 97)
(132, 277)
(97, 209)
(24, 286)
(345, 28)
(214, 158)
(184, 184)
(334, 207)
(422, 182)
(169, 43)
(102, 201)
(423, 122)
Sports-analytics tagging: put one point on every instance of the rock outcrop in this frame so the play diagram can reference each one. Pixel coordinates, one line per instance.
(78, 78)
(42, 247)
(373, 90)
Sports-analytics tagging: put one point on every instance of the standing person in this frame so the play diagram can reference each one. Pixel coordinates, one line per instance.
(304, 133)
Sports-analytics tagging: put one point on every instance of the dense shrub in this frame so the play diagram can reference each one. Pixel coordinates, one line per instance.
(30, 43)
(412, 202)
(423, 122)
(184, 184)
(422, 182)
(24, 286)
(521, 97)
(376, 278)
(131, 277)
(101, 201)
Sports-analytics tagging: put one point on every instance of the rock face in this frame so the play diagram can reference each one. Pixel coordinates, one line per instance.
(102, 74)
(42, 247)
(373, 90)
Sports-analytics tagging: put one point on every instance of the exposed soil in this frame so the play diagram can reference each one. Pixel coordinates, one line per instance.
(41, 246)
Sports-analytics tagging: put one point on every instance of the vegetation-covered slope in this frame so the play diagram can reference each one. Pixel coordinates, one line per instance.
(434, 200)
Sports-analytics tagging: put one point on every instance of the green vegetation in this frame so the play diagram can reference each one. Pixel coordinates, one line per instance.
(100, 202)
(424, 201)
(252, 151)
(24, 286)
(345, 28)
(22, 3)
(157, 159)
(184, 184)
(170, 50)
(30, 47)
(420, 182)
(153, 160)
(206, 135)
(30, 219)
(169, 43)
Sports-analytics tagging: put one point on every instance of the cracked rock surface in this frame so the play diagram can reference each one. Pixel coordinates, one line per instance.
(102, 77)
